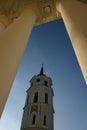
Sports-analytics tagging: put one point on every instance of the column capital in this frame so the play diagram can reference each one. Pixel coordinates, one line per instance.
(12, 9)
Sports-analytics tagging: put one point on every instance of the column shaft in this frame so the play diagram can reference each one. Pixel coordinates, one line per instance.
(74, 15)
(13, 42)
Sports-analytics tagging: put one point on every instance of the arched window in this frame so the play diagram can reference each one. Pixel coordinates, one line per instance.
(38, 80)
(34, 119)
(36, 97)
(46, 98)
(44, 121)
(45, 82)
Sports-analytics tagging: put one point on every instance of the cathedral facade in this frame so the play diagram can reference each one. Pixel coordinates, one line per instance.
(38, 111)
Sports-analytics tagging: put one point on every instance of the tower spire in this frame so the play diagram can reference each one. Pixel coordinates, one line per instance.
(42, 70)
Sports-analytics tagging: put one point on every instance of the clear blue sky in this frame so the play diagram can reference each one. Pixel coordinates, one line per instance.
(49, 44)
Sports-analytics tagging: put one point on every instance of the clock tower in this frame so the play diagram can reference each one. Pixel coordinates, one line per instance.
(38, 110)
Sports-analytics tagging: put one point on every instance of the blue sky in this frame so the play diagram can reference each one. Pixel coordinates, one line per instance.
(50, 45)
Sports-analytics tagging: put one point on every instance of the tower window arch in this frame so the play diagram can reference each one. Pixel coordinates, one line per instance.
(36, 97)
(46, 98)
(44, 121)
(46, 83)
(34, 119)
(38, 80)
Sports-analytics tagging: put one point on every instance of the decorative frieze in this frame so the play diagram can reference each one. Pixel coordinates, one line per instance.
(12, 9)
(83, 1)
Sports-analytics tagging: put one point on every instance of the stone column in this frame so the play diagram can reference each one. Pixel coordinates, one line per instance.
(13, 42)
(74, 15)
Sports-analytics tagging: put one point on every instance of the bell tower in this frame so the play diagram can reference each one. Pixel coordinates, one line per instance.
(38, 110)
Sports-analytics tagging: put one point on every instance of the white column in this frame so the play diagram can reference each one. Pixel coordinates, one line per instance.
(74, 14)
(13, 42)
